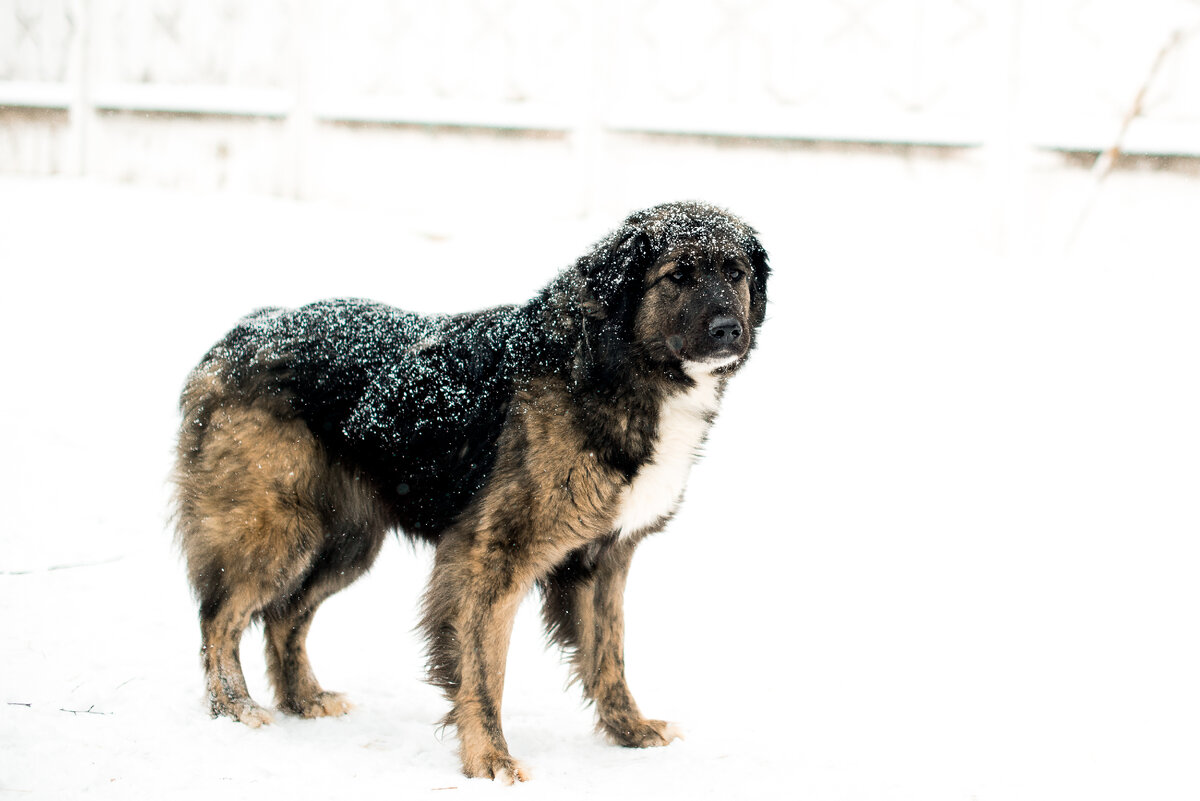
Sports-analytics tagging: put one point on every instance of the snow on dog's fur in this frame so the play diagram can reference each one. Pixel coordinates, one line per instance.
(533, 445)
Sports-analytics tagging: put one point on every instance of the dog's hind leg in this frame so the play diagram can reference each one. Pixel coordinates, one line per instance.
(288, 622)
(221, 628)
(583, 609)
(250, 531)
(232, 594)
(296, 688)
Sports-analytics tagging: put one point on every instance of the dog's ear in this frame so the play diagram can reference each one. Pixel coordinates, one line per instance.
(614, 267)
(758, 286)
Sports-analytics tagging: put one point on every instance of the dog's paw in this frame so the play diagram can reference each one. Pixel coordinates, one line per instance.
(499, 767)
(321, 705)
(512, 772)
(246, 712)
(643, 733)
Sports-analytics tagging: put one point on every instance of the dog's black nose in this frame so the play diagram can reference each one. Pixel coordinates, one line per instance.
(724, 329)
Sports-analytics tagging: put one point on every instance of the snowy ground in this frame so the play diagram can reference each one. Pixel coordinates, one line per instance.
(944, 544)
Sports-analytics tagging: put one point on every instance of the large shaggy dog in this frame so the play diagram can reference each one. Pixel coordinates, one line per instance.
(533, 445)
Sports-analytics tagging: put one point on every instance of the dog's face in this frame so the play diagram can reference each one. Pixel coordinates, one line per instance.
(695, 306)
(689, 281)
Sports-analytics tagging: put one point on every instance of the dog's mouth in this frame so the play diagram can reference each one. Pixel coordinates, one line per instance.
(710, 355)
(709, 365)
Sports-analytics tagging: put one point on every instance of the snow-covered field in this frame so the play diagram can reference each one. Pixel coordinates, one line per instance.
(945, 542)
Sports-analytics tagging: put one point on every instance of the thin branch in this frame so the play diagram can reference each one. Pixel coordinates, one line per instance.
(1104, 162)
(1108, 157)
(88, 711)
(61, 567)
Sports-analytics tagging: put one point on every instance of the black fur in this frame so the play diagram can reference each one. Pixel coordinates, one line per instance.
(512, 438)
(418, 402)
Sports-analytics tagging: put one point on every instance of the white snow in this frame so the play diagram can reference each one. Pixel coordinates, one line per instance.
(944, 542)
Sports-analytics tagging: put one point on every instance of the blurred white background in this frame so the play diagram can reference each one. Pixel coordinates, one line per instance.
(944, 541)
(582, 106)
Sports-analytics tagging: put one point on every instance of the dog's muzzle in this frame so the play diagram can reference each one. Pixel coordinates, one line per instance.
(724, 331)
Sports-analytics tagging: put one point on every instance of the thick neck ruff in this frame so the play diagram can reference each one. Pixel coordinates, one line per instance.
(683, 422)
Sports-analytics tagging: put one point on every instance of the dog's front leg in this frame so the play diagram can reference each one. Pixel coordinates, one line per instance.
(584, 613)
(469, 610)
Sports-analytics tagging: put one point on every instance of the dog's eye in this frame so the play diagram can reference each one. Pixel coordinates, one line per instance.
(734, 273)
(679, 276)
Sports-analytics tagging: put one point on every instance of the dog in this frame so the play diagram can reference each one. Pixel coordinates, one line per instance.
(532, 445)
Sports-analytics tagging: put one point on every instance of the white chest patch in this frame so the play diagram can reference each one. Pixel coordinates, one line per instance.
(658, 487)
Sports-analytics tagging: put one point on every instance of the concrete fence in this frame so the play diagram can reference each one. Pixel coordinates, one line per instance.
(314, 98)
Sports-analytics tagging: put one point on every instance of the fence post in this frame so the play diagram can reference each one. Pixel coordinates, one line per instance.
(587, 134)
(1007, 150)
(300, 124)
(81, 114)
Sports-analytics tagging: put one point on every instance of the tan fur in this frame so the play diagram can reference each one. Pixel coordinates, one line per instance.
(598, 662)
(549, 496)
(296, 688)
(250, 527)
(247, 505)
(271, 524)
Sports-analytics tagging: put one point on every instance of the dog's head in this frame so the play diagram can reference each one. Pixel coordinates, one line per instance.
(684, 283)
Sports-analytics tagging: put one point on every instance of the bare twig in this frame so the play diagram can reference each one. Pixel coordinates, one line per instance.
(61, 567)
(18, 703)
(88, 711)
(1108, 157)
(1104, 162)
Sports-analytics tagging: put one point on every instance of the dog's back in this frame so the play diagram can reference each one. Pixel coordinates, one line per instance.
(288, 476)
(534, 444)
(416, 402)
